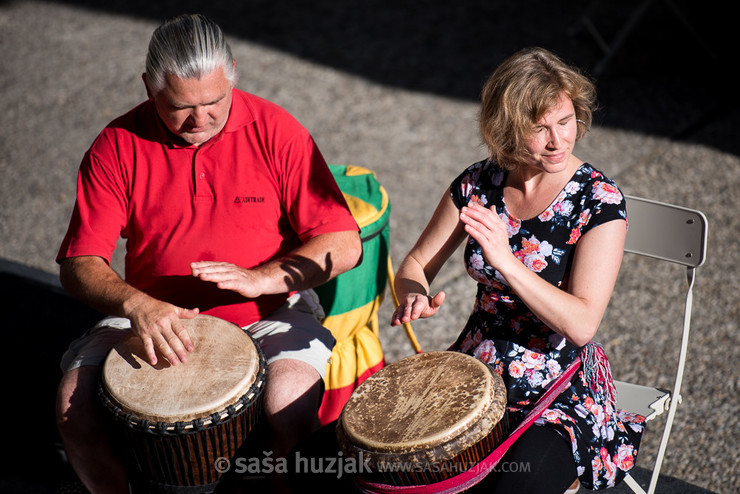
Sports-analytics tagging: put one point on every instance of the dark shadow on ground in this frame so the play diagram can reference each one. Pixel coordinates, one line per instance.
(662, 82)
(39, 321)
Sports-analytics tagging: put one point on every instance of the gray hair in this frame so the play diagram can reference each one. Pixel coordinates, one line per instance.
(188, 46)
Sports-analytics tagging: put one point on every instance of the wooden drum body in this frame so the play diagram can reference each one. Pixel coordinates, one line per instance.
(424, 419)
(176, 422)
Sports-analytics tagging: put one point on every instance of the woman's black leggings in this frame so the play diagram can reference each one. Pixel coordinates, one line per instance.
(539, 462)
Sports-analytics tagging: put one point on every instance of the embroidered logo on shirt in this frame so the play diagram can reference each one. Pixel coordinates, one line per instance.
(248, 199)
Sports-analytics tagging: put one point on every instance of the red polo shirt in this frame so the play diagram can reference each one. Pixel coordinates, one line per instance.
(255, 191)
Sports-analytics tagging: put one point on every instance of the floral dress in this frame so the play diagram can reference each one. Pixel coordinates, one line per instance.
(502, 332)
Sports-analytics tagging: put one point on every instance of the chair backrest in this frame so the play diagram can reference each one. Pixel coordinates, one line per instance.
(678, 235)
(667, 232)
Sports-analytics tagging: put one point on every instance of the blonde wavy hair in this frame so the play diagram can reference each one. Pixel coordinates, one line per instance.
(520, 92)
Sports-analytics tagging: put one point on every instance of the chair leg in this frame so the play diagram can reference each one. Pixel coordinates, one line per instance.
(632, 483)
(676, 394)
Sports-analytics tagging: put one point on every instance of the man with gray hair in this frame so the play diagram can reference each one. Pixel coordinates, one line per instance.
(228, 209)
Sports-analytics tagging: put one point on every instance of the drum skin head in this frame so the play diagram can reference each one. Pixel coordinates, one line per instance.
(431, 402)
(221, 368)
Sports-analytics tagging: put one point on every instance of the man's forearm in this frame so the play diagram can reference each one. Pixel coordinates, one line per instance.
(313, 263)
(93, 281)
(157, 323)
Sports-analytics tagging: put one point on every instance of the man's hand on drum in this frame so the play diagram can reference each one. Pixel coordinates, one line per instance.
(158, 325)
(416, 306)
(227, 276)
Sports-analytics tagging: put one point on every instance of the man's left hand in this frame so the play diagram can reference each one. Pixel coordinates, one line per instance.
(229, 276)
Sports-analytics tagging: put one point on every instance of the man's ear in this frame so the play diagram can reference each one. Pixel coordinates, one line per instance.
(146, 85)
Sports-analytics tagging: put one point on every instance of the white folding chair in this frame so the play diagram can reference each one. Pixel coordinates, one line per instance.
(678, 235)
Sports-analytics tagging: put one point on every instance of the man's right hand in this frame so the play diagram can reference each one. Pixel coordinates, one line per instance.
(160, 328)
(157, 323)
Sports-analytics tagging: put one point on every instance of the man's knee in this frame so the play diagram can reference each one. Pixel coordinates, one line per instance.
(292, 384)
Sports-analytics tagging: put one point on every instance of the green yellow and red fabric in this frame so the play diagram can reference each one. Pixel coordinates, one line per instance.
(351, 300)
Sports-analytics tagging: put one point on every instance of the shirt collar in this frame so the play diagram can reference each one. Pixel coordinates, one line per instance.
(240, 114)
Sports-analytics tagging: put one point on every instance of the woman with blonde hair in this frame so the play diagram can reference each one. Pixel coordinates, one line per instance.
(544, 234)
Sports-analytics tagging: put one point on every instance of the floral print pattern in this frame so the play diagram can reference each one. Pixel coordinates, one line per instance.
(504, 333)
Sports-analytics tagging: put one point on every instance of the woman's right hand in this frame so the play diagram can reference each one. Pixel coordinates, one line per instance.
(416, 306)
(439, 240)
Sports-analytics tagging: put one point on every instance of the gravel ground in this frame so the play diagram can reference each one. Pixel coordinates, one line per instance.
(392, 86)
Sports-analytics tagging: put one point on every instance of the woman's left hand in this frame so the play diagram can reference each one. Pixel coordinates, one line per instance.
(489, 230)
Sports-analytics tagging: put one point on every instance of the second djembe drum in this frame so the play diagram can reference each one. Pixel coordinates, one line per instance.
(424, 418)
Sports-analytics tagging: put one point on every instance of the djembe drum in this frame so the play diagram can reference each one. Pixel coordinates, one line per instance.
(174, 423)
(424, 419)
